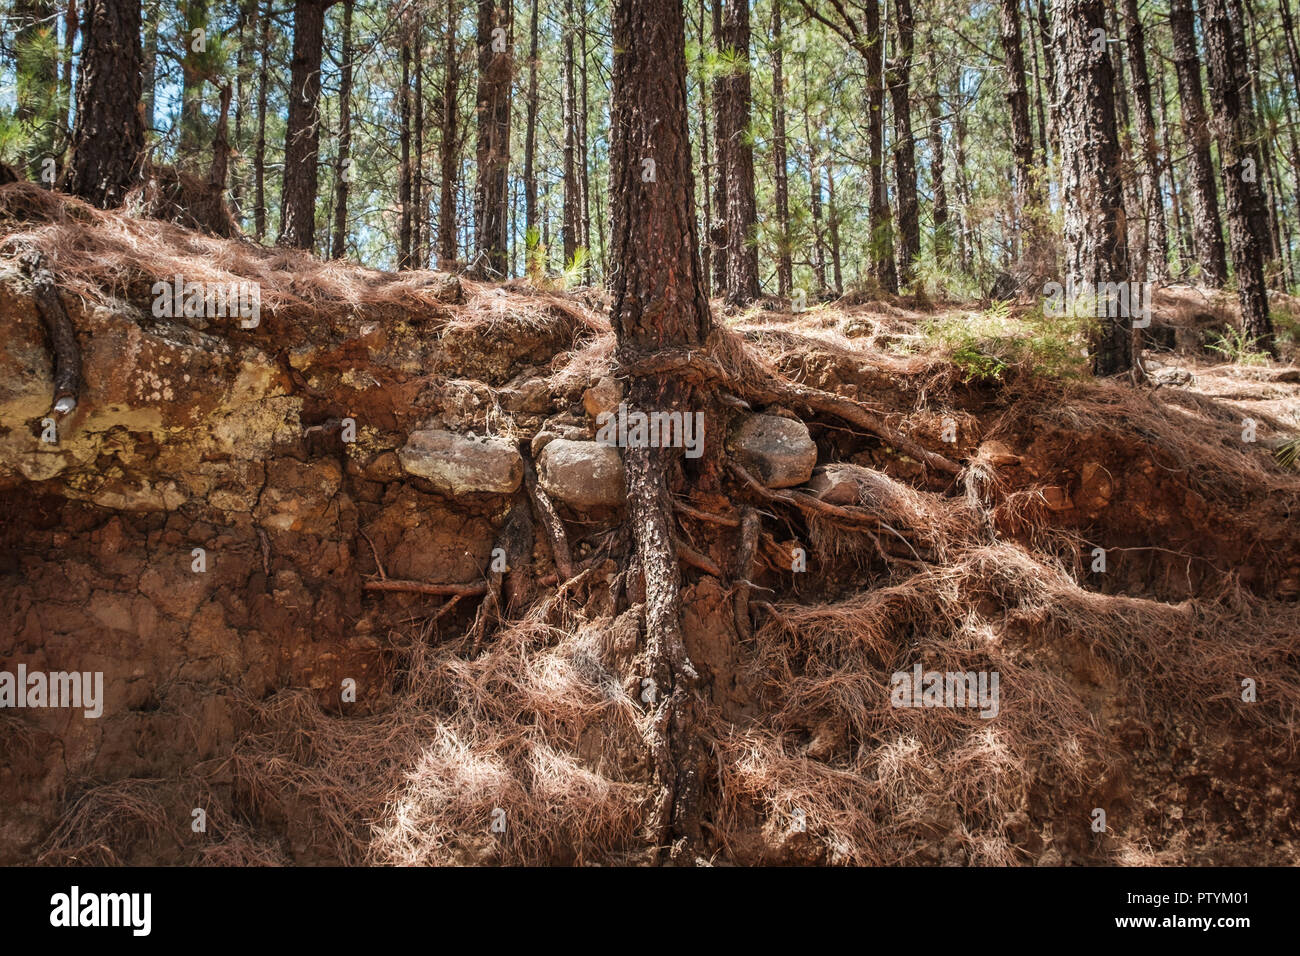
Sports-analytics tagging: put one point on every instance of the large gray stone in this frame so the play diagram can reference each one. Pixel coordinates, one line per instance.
(582, 474)
(461, 465)
(779, 452)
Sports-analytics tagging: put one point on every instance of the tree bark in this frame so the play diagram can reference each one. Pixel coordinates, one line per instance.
(343, 166)
(741, 208)
(108, 136)
(658, 300)
(1022, 137)
(302, 132)
(942, 232)
(1207, 229)
(259, 149)
(1095, 226)
(493, 152)
(449, 146)
(530, 131)
(784, 265)
(1234, 128)
(900, 71)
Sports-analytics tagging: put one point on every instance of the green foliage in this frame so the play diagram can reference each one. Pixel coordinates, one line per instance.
(1288, 456)
(1238, 347)
(988, 345)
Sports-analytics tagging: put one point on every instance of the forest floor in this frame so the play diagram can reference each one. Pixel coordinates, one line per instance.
(1161, 686)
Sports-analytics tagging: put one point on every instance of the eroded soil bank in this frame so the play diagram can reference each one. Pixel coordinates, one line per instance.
(374, 431)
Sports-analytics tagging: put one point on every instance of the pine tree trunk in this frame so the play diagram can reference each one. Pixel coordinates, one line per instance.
(814, 188)
(741, 208)
(108, 135)
(259, 149)
(302, 133)
(1157, 244)
(942, 232)
(658, 300)
(493, 150)
(909, 217)
(404, 169)
(418, 227)
(342, 169)
(449, 146)
(721, 139)
(1207, 230)
(879, 218)
(569, 110)
(833, 228)
(530, 131)
(1022, 138)
(1095, 226)
(784, 266)
(1233, 122)
(706, 247)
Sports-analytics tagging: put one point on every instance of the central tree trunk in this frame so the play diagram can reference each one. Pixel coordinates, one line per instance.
(108, 137)
(658, 301)
(1096, 249)
(302, 133)
(490, 193)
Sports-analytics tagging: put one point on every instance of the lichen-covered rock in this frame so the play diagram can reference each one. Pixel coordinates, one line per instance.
(779, 452)
(462, 465)
(582, 474)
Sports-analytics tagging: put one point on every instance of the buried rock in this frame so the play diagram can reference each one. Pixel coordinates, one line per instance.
(777, 451)
(582, 474)
(459, 464)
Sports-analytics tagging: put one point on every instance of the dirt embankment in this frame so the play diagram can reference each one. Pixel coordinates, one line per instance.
(307, 457)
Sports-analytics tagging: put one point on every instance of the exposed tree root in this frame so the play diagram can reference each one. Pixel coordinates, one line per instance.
(63, 337)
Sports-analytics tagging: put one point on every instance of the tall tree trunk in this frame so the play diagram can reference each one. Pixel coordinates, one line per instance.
(1207, 230)
(1095, 227)
(900, 70)
(418, 224)
(658, 300)
(149, 70)
(108, 135)
(584, 178)
(1157, 240)
(968, 239)
(1233, 121)
(259, 148)
(530, 131)
(493, 152)
(302, 132)
(784, 265)
(814, 187)
(404, 170)
(343, 167)
(706, 247)
(721, 139)
(942, 232)
(1049, 67)
(1022, 137)
(879, 218)
(833, 227)
(71, 23)
(1177, 196)
(449, 146)
(741, 207)
(572, 187)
